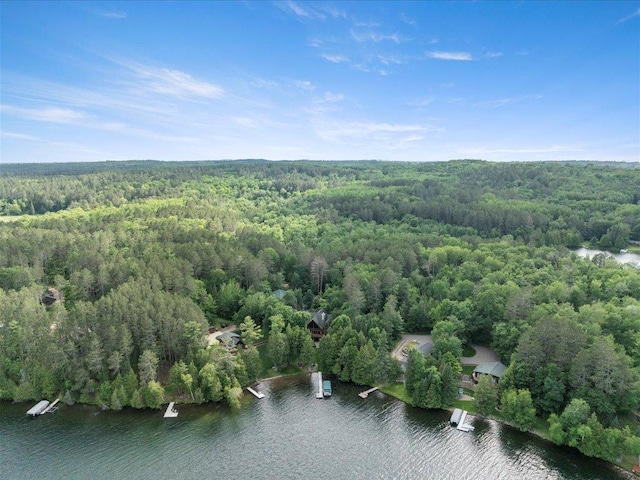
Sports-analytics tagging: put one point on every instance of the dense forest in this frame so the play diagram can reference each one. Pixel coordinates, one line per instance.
(111, 273)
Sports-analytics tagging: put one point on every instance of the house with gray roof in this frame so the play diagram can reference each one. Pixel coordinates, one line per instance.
(495, 369)
(230, 339)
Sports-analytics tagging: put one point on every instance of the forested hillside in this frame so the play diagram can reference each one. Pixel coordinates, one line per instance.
(146, 255)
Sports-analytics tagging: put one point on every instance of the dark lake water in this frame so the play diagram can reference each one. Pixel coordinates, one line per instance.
(287, 435)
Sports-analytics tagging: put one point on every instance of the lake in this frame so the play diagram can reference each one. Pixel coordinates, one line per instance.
(287, 435)
(631, 258)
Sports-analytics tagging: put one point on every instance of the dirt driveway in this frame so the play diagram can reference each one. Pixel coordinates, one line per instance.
(211, 338)
(397, 352)
(483, 354)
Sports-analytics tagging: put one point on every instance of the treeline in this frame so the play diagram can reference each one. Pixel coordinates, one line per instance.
(544, 203)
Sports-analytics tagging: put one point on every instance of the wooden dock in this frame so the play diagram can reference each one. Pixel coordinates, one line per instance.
(366, 393)
(320, 393)
(51, 408)
(171, 411)
(256, 394)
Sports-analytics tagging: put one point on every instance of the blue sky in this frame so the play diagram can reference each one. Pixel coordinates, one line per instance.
(416, 81)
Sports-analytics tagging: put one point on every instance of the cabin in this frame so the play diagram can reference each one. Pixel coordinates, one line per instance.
(318, 324)
(426, 348)
(230, 339)
(279, 294)
(495, 369)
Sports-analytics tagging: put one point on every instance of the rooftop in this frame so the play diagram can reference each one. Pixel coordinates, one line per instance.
(493, 368)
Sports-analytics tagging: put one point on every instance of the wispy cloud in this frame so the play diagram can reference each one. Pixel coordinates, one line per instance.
(333, 97)
(628, 17)
(174, 82)
(502, 102)
(369, 36)
(18, 136)
(526, 150)
(492, 54)
(304, 85)
(306, 11)
(390, 59)
(339, 130)
(459, 56)
(111, 12)
(48, 114)
(334, 58)
(406, 19)
(422, 103)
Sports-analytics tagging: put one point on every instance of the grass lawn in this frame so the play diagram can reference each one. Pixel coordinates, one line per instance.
(468, 369)
(468, 351)
(267, 366)
(396, 390)
(468, 405)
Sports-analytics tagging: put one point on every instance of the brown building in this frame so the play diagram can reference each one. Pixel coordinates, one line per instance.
(318, 324)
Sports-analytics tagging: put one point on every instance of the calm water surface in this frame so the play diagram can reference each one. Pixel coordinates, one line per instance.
(287, 435)
(629, 257)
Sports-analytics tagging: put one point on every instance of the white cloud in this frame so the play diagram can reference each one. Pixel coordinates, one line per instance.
(48, 114)
(527, 150)
(501, 102)
(333, 97)
(18, 136)
(628, 17)
(389, 59)
(406, 19)
(174, 82)
(334, 58)
(303, 12)
(304, 85)
(112, 12)
(492, 54)
(460, 56)
(338, 130)
(374, 37)
(422, 103)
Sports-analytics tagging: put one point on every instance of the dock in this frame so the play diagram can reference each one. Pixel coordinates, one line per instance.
(256, 394)
(171, 411)
(366, 393)
(320, 393)
(51, 408)
(38, 408)
(458, 418)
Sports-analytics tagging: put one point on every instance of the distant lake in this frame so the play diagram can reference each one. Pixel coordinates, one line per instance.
(632, 258)
(287, 435)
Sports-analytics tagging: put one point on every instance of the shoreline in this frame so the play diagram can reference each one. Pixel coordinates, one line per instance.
(384, 391)
(536, 433)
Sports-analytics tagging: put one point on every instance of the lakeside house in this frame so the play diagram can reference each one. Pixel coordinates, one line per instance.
(318, 324)
(279, 294)
(230, 339)
(495, 369)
